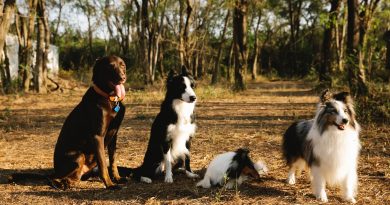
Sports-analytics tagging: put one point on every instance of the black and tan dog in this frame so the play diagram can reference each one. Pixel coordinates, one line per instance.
(91, 127)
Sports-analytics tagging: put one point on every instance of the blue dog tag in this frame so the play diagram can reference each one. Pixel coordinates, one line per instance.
(117, 108)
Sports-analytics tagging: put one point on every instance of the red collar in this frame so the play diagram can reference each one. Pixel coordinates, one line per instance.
(112, 98)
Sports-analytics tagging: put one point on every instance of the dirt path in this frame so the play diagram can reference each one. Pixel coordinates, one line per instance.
(29, 126)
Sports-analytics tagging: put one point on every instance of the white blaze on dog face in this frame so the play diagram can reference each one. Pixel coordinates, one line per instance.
(189, 94)
(342, 117)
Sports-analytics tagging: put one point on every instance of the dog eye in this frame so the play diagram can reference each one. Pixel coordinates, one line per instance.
(332, 110)
(192, 85)
(345, 110)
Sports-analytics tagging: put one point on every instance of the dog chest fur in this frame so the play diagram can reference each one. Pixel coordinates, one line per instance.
(336, 152)
(181, 132)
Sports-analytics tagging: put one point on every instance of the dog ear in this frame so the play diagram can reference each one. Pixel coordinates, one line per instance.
(326, 96)
(171, 74)
(184, 70)
(243, 152)
(343, 97)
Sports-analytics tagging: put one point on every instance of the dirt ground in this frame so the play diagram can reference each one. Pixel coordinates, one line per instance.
(257, 118)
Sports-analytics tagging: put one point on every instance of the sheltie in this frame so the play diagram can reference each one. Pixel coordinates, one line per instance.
(328, 145)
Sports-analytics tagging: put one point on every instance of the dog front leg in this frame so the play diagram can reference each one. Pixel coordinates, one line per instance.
(348, 186)
(167, 162)
(189, 172)
(113, 166)
(100, 156)
(318, 184)
(187, 162)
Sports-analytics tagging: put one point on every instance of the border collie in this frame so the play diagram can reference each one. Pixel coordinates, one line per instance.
(231, 168)
(328, 145)
(172, 130)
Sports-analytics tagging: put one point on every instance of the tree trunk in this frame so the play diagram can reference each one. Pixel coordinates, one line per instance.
(183, 30)
(230, 62)
(340, 47)
(294, 11)
(27, 65)
(386, 37)
(256, 49)
(55, 33)
(37, 74)
(90, 36)
(357, 82)
(45, 57)
(143, 40)
(240, 43)
(156, 36)
(326, 63)
(367, 9)
(7, 9)
(215, 76)
(160, 63)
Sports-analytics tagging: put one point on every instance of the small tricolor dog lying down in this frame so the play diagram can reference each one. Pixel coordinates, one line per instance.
(231, 168)
(328, 144)
(172, 130)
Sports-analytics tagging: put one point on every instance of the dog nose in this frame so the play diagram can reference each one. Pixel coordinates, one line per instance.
(192, 98)
(345, 121)
(123, 77)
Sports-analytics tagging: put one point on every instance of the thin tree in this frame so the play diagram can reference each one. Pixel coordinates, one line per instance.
(340, 38)
(215, 76)
(143, 41)
(256, 49)
(326, 61)
(357, 81)
(60, 4)
(42, 50)
(240, 17)
(386, 37)
(184, 30)
(27, 51)
(7, 9)
(294, 18)
(88, 9)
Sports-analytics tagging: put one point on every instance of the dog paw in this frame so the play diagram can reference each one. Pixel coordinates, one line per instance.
(121, 180)
(229, 185)
(350, 200)
(290, 180)
(322, 197)
(168, 179)
(191, 175)
(146, 180)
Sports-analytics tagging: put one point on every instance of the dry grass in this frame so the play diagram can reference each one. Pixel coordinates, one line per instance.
(30, 124)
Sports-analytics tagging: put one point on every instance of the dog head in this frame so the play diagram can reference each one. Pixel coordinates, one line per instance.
(181, 86)
(249, 168)
(336, 110)
(109, 74)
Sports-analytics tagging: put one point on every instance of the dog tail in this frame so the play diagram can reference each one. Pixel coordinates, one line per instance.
(205, 183)
(19, 177)
(261, 167)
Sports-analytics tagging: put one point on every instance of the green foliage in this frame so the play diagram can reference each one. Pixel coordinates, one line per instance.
(377, 107)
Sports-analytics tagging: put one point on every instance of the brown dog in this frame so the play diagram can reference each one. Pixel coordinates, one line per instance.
(90, 128)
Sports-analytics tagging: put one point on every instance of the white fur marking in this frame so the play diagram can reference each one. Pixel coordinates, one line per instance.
(341, 114)
(188, 91)
(191, 175)
(181, 132)
(146, 180)
(168, 167)
(216, 170)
